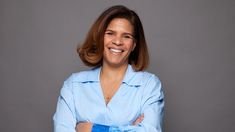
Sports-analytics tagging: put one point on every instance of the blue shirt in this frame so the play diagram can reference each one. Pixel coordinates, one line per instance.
(81, 100)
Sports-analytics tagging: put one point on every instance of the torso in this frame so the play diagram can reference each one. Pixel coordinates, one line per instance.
(123, 106)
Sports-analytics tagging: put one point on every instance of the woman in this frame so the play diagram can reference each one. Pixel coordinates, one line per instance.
(117, 94)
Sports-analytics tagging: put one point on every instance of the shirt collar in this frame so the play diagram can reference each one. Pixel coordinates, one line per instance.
(131, 77)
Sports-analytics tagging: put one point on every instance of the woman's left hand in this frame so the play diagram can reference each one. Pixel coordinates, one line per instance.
(84, 127)
(138, 120)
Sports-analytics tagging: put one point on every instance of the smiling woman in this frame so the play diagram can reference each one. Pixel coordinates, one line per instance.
(91, 51)
(117, 94)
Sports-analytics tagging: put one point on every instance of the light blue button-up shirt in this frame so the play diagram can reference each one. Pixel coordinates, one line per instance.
(81, 100)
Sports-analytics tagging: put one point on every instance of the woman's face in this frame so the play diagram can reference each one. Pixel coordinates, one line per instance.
(118, 42)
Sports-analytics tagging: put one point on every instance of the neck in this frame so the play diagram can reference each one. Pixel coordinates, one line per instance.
(113, 72)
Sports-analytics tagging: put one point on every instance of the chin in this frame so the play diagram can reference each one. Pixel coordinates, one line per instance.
(117, 63)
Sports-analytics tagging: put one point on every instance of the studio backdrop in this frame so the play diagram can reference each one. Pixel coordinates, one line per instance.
(191, 45)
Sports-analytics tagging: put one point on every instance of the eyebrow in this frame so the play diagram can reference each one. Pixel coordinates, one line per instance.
(109, 30)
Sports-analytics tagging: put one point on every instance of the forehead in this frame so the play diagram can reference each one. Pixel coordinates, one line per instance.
(120, 24)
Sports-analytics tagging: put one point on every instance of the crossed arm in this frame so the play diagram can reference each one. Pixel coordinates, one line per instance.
(87, 126)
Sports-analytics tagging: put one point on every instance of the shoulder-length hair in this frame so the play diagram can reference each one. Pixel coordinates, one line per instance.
(91, 51)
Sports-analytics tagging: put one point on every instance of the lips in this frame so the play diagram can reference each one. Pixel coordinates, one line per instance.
(116, 50)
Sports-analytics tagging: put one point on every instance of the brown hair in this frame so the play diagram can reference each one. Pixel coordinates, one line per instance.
(91, 51)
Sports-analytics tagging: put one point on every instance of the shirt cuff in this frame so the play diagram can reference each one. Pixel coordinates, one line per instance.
(100, 128)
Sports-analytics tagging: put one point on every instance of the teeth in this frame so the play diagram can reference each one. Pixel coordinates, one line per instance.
(116, 50)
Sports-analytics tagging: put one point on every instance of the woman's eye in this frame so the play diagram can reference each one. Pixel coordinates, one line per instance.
(127, 36)
(109, 33)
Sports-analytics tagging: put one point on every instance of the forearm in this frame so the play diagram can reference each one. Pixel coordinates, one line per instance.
(88, 127)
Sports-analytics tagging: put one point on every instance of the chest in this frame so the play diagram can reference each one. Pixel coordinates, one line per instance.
(122, 109)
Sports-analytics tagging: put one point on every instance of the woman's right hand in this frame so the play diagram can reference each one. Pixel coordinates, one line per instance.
(84, 127)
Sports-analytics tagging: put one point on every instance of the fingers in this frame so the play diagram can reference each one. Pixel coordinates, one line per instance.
(138, 120)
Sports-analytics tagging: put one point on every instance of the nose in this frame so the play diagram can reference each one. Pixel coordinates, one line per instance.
(117, 41)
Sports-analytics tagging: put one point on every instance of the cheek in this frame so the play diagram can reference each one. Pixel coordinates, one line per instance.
(106, 42)
(130, 46)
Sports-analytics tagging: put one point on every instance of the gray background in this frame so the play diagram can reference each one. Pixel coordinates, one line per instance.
(191, 43)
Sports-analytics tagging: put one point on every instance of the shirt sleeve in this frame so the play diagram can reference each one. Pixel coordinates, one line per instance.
(152, 108)
(64, 117)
